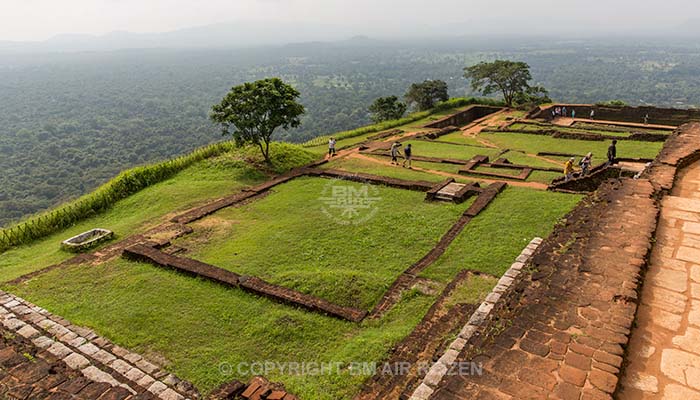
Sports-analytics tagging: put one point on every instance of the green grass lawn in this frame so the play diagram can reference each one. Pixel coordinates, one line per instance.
(517, 157)
(535, 143)
(459, 138)
(288, 239)
(366, 167)
(205, 180)
(445, 150)
(492, 240)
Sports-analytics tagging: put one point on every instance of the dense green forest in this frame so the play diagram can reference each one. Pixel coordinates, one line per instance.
(69, 122)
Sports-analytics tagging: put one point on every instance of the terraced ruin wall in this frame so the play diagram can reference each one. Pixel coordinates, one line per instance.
(660, 116)
(463, 118)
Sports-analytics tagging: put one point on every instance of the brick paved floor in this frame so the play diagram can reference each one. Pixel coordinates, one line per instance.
(664, 352)
(27, 372)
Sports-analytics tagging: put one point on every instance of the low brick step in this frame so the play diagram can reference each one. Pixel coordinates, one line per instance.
(258, 388)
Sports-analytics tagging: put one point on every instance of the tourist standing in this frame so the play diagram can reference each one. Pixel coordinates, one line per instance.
(592, 113)
(395, 153)
(331, 147)
(569, 169)
(646, 119)
(563, 111)
(586, 164)
(407, 155)
(612, 153)
(573, 114)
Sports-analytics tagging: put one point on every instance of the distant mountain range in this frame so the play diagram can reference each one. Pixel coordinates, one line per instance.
(246, 34)
(235, 35)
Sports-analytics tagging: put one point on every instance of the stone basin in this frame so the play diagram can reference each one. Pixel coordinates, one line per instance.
(87, 240)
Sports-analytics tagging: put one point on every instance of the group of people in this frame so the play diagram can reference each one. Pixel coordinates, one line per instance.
(396, 153)
(585, 162)
(562, 112)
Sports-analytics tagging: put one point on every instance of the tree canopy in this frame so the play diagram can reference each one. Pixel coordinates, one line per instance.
(427, 93)
(255, 109)
(387, 108)
(509, 77)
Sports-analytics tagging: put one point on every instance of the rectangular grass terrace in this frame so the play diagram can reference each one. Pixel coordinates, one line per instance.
(318, 245)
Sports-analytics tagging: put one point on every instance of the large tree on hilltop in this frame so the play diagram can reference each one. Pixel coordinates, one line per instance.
(426, 94)
(255, 109)
(509, 77)
(387, 108)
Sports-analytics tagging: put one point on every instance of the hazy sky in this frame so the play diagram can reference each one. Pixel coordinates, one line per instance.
(41, 19)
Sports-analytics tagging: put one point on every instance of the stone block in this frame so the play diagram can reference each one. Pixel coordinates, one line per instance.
(422, 392)
(28, 332)
(76, 361)
(59, 350)
(449, 357)
(157, 388)
(435, 374)
(467, 331)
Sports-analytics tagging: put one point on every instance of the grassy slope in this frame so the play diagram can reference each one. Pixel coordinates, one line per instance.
(208, 179)
(351, 265)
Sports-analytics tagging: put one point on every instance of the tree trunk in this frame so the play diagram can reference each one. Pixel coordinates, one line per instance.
(266, 151)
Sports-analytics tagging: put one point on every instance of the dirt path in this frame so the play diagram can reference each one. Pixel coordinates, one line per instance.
(532, 185)
(664, 352)
(474, 129)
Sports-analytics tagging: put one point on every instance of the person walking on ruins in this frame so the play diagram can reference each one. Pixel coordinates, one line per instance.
(569, 169)
(586, 164)
(592, 113)
(331, 147)
(395, 153)
(646, 119)
(407, 156)
(612, 153)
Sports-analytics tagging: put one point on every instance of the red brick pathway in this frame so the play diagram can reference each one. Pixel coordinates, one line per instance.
(664, 352)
